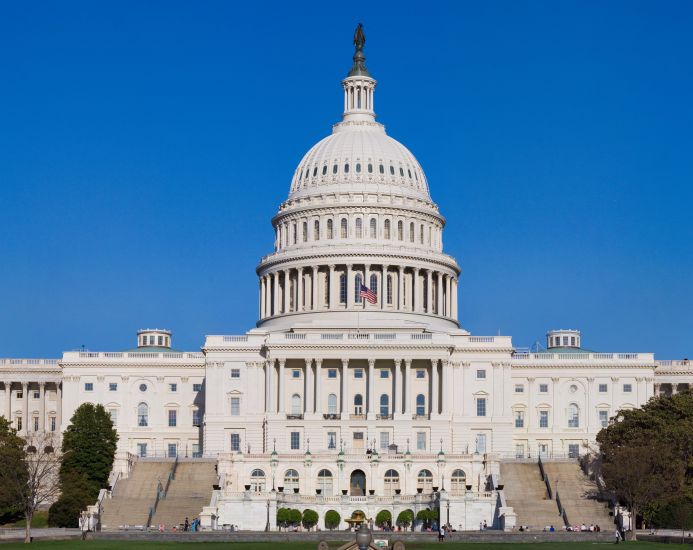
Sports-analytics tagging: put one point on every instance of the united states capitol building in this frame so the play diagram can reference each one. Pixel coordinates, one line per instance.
(336, 401)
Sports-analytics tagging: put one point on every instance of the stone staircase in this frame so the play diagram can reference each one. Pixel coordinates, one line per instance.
(526, 493)
(189, 491)
(577, 494)
(132, 497)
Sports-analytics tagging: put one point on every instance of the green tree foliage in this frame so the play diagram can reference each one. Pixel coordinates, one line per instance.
(89, 446)
(310, 519)
(13, 467)
(647, 455)
(383, 518)
(283, 517)
(295, 517)
(332, 519)
(405, 518)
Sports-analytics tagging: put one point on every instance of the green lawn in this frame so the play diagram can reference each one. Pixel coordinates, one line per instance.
(135, 545)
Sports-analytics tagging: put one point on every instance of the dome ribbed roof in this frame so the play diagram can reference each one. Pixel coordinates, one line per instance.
(359, 157)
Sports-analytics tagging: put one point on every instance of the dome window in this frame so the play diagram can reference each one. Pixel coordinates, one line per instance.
(300, 177)
(382, 169)
(370, 168)
(401, 171)
(315, 172)
(330, 233)
(307, 173)
(416, 176)
(346, 168)
(358, 168)
(408, 170)
(334, 169)
(359, 232)
(392, 170)
(324, 170)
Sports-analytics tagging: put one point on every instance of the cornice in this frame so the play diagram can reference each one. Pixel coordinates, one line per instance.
(298, 213)
(569, 364)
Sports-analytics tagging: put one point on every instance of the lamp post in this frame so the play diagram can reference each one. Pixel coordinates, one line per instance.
(267, 525)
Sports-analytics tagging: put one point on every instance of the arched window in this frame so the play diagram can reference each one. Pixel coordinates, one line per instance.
(401, 172)
(370, 168)
(389, 289)
(324, 170)
(421, 234)
(342, 289)
(458, 481)
(358, 404)
(257, 481)
(391, 482)
(374, 283)
(424, 480)
(359, 232)
(400, 230)
(420, 404)
(573, 416)
(358, 281)
(384, 405)
(332, 404)
(387, 229)
(358, 167)
(374, 228)
(382, 169)
(325, 482)
(392, 170)
(315, 172)
(295, 404)
(291, 480)
(343, 228)
(143, 415)
(316, 230)
(294, 231)
(346, 168)
(305, 231)
(330, 233)
(411, 232)
(334, 168)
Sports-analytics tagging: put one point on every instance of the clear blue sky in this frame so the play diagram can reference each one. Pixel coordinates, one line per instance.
(144, 147)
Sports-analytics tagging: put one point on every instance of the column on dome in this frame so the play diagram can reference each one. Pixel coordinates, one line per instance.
(275, 305)
(42, 406)
(318, 386)
(371, 407)
(349, 287)
(262, 298)
(435, 386)
(286, 292)
(445, 375)
(282, 386)
(308, 400)
(398, 397)
(268, 386)
(59, 404)
(408, 386)
(383, 286)
(454, 298)
(448, 294)
(345, 388)
(429, 291)
(25, 407)
(331, 304)
(400, 287)
(299, 289)
(416, 303)
(8, 401)
(439, 293)
(314, 292)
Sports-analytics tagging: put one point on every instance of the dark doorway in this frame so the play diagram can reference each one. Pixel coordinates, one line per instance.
(357, 483)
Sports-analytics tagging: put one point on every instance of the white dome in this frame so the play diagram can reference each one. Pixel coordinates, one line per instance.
(359, 156)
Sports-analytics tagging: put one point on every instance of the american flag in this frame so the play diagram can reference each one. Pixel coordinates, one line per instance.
(368, 294)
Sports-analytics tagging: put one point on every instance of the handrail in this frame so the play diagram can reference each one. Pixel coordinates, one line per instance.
(545, 478)
(171, 475)
(152, 509)
(561, 510)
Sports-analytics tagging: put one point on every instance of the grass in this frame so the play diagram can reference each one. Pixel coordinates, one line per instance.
(154, 545)
(40, 520)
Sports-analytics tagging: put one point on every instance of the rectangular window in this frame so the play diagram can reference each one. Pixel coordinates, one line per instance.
(37, 395)
(88, 386)
(295, 441)
(196, 417)
(142, 450)
(331, 440)
(160, 340)
(604, 418)
(384, 441)
(573, 450)
(420, 441)
(36, 427)
(358, 373)
(384, 373)
(20, 395)
(332, 373)
(420, 373)
(112, 386)
(235, 406)
(543, 388)
(519, 419)
(295, 373)
(481, 406)
(172, 418)
(481, 374)
(565, 340)
(519, 388)
(52, 423)
(572, 340)
(196, 453)
(235, 443)
(543, 419)
(172, 450)
(235, 373)
(114, 416)
(197, 387)
(173, 388)
(627, 388)
(481, 443)
(602, 388)
(19, 423)
(519, 450)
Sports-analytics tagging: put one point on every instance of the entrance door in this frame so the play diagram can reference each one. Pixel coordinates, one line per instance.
(357, 483)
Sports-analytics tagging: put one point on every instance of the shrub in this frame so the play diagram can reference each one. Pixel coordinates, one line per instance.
(295, 516)
(405, 518)
(282, 517)
(310, 519)
(384, 517)
(332, 519)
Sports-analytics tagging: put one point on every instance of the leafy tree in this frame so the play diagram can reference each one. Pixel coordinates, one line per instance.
(282, 517)
(89, 446)
(405, 518)
(332, 519)
(295, 517)
(383, 518)
(310, 519)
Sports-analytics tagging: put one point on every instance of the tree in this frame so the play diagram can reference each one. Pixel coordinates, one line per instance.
(310, 519)
(28, 471)
(405, 518)
(295, 517)
(89, 446)
(282, 517)
(332, 519)
(383, 518)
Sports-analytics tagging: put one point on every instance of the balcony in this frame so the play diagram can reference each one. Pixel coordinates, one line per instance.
(383, 417)
(294, 416)
(332, 416)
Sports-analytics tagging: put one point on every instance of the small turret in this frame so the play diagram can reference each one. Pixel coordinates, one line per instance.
(563, 338)
(153, 338)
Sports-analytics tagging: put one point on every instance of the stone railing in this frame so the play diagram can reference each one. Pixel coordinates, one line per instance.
(29, 362)
(73, 355)
(583, 357)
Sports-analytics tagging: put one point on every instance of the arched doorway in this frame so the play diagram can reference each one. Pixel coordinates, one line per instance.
(357, 483)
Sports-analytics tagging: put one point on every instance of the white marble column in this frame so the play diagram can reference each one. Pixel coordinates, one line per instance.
(314, 292)
(345, 388)
(299, 289)
(445, 373)
(383, 288)
(400, 286)
(331, 294)
(416, 304)
(308, 401)
(262, 297)
(398, 397)
(448, 295)
(286, 291)
(367, 282)
(454, 299)
(25, 407)
(59, 404)
(439, 293)
(42, 406)
(318, 386)
(408, 387)
(349, 286)
(282, 386)
(8, 401)
(371, 407)
(429, 291)
(435, 386)
(269, 367)
(275, 308)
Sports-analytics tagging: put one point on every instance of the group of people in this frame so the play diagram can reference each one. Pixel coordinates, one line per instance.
(444, 530)
(593, 527)
(187, 525)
